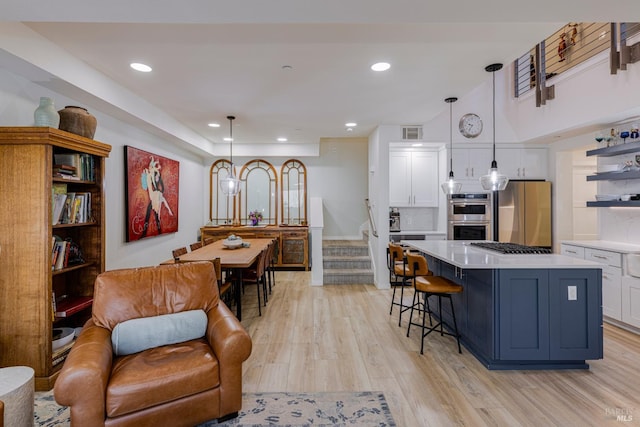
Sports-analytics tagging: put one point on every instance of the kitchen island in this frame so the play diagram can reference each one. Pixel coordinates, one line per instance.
(528, 311)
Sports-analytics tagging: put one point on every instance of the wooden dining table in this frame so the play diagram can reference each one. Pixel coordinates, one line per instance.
(237, 260)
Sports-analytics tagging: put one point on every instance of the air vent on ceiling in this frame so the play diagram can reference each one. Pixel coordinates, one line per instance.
(411, 133)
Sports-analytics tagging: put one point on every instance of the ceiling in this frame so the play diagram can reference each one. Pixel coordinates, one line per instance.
(300, 69)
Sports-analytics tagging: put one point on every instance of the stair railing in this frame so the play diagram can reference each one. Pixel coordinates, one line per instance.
(374, 231)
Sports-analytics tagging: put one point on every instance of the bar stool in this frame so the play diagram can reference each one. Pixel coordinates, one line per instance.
(398, 276)
(427, 286)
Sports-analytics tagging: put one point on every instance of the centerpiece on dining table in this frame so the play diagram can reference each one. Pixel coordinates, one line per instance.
(255, 217)
(233, 242)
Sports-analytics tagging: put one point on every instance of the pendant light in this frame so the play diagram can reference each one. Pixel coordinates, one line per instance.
(451, 186)
(231, 184)
(494, 180)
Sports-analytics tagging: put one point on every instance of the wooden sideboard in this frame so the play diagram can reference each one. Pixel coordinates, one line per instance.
(293, 241)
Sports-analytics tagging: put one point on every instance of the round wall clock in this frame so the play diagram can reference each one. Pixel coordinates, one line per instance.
(470, 125)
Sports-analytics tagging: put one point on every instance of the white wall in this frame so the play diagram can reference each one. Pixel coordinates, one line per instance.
(19, 98)
(338, 176)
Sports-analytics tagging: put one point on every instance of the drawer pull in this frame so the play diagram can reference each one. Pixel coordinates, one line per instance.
(571, 252)
(600, 257)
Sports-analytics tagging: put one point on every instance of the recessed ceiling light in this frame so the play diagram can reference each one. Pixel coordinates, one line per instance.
(282, 139)
(140, 67)
(214, 125)
(226, 138)
(381, 66)
(351, 124)
(416, 145)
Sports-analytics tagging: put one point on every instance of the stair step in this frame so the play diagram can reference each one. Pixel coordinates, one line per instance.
(347, 276)
(345, 251)
(346, 262)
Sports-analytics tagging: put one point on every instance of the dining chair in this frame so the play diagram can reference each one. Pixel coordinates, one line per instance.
(225, 283)
(256, 274)
(427, 285)
(178, 252)
(196, 245)
(270, 264)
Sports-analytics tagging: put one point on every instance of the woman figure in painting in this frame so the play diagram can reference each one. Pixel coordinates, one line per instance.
(562, 47)
(152, 182)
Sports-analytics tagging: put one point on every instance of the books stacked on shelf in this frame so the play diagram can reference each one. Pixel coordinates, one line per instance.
(65, 171)
(65, 253)
(58, 356)
(75, 166)
(71, 208)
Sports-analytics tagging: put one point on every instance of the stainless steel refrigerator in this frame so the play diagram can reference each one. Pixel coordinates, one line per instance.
(524, 213)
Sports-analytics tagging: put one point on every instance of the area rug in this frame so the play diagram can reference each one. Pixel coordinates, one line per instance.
(367, 408)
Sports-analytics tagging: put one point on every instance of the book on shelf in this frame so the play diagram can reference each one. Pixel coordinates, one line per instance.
(69, 177)
(59, 254)
(68, 169)
(69, 305)
(58, 205)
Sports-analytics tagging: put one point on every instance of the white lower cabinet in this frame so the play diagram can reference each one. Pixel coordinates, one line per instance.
(611, 276)
(631, 300)
(612, 292)
(620, 290)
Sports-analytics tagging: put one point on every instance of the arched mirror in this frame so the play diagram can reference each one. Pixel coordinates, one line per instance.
(293, 177)
(221, 206)
(258, 192)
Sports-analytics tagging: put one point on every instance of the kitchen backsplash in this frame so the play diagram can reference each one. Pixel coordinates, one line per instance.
(418, 219)
(620, 224)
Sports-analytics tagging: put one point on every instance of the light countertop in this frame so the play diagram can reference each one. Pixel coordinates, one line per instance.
(607, 245)
(426, 233)
(461, 254)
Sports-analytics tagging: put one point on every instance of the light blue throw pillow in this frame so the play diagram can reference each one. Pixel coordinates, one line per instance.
(141, 334)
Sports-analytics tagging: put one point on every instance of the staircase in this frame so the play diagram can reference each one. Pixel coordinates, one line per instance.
(346, 262)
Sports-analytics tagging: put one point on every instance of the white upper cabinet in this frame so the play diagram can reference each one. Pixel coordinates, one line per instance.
(413, 178)
(523, 163)
(471, 163)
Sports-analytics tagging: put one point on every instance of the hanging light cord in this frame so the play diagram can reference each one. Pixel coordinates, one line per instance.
(494, 115)
(231, 138)
(451, 136)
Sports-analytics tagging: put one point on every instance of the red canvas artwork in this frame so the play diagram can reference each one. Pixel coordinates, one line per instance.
(152, 185)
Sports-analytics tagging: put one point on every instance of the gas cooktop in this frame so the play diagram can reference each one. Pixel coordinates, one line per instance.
(511, 248)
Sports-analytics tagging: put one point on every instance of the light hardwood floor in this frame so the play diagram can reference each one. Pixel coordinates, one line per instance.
(342, 338)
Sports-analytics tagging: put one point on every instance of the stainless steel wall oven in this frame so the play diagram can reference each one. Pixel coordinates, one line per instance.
(469, 216)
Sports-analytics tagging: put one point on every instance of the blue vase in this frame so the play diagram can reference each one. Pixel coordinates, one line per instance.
(46, 114)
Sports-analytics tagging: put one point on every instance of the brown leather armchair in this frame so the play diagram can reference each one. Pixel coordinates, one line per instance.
(179, 384)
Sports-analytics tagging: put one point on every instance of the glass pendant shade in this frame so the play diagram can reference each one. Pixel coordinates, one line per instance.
(451, 186)
(494, 180)
(230, 185)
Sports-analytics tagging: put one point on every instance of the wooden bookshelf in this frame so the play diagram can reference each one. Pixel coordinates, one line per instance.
(27, 282)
